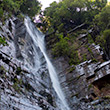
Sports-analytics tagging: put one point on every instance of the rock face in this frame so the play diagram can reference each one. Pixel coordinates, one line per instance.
(86, 86)
(87, 83)
(107, 47)
(22, 88)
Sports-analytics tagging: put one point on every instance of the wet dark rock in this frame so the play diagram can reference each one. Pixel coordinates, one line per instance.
(48, 96)
(18, 70)
(10, 26)
(42, 105)
(107, 47)
(86, 100)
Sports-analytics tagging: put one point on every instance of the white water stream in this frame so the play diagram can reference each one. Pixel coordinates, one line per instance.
(38, 39)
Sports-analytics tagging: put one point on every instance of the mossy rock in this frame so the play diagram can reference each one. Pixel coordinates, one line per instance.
(72, 69)
(18, 70)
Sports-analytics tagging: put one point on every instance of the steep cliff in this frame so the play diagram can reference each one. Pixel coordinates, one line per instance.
(21, 87)
(87, 84)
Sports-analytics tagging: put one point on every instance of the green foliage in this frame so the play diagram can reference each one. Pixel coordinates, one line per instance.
(106, 34)
(84, 57)
(72, 69)
(90, 39)
(18, 71)
(1, 12)
(17, 84)
(90, 86)
(92, 55)
(16, 87)
(61, 48)
(20, 16)
(94, 60)
(67, 48)
(106, 97)
(102, 20)
(67, 14)
(103, 38)
(9, 7)
(89, 49)
(100, 40)
(2, 68)
(74, 59)
(30, 7)
(73, 54)
(2, 41)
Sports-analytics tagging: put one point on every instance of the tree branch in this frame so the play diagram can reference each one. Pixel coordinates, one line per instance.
(79, 26)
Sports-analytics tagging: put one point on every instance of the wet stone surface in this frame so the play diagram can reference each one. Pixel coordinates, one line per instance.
(20, 86)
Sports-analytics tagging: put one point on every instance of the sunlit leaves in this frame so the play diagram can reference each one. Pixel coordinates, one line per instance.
(2, 41)
(103, 18)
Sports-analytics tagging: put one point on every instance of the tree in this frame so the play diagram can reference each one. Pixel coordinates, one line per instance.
(102, 23)
(67, 14)
(102, 20)
(9, 7)
(30, 7)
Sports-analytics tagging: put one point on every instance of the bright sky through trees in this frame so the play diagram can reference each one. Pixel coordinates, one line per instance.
(46, 3)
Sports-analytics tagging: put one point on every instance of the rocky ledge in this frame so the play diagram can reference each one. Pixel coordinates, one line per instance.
(87, 85)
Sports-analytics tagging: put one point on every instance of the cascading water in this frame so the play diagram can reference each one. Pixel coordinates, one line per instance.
(38, 39)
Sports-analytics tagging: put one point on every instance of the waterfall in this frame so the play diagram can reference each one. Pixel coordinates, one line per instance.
(38, 39)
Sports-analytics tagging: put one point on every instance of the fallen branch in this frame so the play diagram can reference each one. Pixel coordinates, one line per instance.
(50, 33)
(79, 26)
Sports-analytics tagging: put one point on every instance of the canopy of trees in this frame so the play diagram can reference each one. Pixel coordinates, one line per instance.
(102, 20)
(102, 23)
(9, 7)
(67, 14)
(30, 7)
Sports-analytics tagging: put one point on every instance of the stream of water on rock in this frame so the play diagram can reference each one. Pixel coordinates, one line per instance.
(38, 39)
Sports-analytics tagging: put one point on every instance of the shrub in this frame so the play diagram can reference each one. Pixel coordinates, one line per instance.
(61, 48)
(67, 48)
(74, 59)
(2, 41)
(103, 38)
